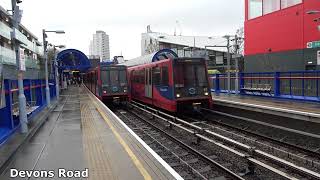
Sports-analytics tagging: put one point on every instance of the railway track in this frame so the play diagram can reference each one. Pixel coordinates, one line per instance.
(187, 161)
(256, 158)
(304, 156)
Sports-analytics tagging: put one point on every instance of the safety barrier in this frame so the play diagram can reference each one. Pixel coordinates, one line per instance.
(35, 94)
(298, 85)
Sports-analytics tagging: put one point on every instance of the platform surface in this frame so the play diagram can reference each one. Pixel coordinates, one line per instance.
(285, 105)
(78, 135)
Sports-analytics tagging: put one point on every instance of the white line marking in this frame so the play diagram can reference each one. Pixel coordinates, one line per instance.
(271, 108)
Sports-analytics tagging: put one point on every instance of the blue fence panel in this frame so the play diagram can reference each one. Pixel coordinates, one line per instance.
(299, 85)
(35, 96)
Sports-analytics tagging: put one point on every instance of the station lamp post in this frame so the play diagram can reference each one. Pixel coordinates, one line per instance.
(56, 73)
(228, 63)
(17, 14)
(227, 37)
(45, 53)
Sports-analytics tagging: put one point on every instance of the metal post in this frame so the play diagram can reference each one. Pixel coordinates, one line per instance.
(237, 65)
(217, 84)
(56, 73)
(277, 84)
(228, 64)
(45, 53)
(22, 99)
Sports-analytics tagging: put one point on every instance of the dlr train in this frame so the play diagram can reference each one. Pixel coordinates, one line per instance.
(108, 82)
(170, 83)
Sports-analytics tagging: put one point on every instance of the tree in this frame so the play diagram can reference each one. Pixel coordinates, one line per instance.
(240, 42)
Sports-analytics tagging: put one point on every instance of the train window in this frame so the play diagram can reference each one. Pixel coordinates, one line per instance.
(104, 77)
(190, 75)
(150, 80)
(156, 76)
(123, 77)
(142, 76)
(114, 77)
(201, 76)
(179, 76)
(139, 77)
(165, 76)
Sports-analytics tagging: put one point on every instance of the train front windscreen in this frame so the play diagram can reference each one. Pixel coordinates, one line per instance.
(114, 79)
(190, 78)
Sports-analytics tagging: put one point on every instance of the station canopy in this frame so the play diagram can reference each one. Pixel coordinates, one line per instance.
(72, 59)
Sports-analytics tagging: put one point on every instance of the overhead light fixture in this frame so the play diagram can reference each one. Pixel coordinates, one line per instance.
(60, 32)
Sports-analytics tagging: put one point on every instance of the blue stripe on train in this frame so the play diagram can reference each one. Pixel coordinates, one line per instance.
(166, 92)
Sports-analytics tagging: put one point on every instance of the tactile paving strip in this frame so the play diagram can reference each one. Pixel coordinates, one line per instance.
(94, 149)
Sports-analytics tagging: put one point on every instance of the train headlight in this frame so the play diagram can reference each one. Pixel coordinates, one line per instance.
(124, 90)
(104, 92)
(178, 95)
(206, 94)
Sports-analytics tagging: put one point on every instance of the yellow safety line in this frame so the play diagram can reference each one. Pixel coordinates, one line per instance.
(133, 157)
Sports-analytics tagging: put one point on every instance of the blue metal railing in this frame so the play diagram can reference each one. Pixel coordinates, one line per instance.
(299, 85)
(34, 90)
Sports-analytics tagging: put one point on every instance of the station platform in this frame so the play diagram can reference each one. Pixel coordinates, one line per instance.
(307, 111)
(82, 135)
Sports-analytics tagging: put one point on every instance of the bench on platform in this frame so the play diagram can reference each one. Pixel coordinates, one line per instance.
(257, 88)
(30, 107)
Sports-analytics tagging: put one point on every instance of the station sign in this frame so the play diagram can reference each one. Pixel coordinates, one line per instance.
(22, 64)
(314, 44)
(318, 57)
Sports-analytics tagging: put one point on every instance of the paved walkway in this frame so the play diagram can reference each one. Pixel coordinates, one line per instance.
(81, 134)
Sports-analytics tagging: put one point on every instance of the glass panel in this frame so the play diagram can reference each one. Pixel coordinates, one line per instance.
(123, 78)
(156, 76)
(270, 6)
(255, 8)
(201, 75)
(288, 3)
(187, 53)
(179, 76)
(105, 77)
(190, 75)
(180, 53)
(114, 77)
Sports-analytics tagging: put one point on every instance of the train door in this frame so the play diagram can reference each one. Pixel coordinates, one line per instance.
(148, 83)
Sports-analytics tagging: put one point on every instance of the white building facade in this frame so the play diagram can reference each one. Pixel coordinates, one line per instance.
(99, 45)
(188, 46)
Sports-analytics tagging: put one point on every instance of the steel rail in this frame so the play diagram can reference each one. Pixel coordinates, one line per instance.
(309, 151)
(226, 170)
(238, 144)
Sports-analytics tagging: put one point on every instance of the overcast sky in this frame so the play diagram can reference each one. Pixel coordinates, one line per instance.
(125, 20)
